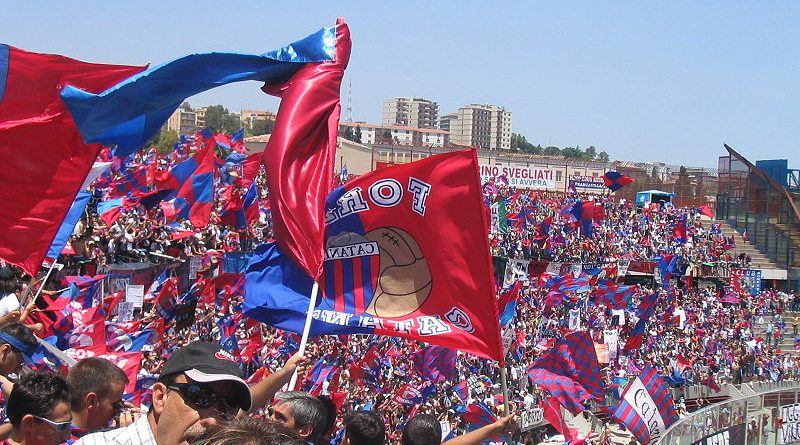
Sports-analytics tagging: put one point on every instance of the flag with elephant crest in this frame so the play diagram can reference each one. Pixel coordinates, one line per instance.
(406, 255)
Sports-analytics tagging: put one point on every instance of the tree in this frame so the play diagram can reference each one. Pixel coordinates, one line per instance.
(571, 152)
(261, 126)
(230, 124)
(215, 117)
(591, 152)
(218, 119)
(602, 156)
(552, 151)
(165, 141)
(348, 133)
(357, 134)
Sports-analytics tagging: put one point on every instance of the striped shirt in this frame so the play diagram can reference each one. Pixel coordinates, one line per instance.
(137, 433)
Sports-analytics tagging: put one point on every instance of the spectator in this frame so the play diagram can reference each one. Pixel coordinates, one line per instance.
(199, 386)
(38, 409)
(302, 412)
(364, 428)
(250, 431)
(17, 345)
(96, 387)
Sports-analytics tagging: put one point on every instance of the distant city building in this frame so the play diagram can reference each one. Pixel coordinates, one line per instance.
(249, 116)
(444, 121)
(482, 126)
(184, 120)
(410, 112)
(396, 134)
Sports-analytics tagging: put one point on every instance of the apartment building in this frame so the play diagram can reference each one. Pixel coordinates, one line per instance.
(184, 121)
(482, 126)
(410, 112)
(249, 116)
(396, 134)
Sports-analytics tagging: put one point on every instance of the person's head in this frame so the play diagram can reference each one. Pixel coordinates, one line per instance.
(422, 429)
(301, 412)
(96, 386)
(200, 385)
(38, 409)
(17, 344)
(330, 418)
(7, 282)
(364, 428)
(250, 431)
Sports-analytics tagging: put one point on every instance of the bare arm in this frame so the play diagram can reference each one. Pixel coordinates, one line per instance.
(503, 425)
(263, 391)
(5, 430)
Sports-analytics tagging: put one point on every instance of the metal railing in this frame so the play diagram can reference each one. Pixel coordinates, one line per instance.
(757, 408)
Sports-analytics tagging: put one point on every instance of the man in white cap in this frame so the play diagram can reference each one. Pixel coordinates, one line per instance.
(200, 385)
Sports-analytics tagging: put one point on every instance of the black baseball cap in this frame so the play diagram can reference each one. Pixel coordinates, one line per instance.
(205, 362)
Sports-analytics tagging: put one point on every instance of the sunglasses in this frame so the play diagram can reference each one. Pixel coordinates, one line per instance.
(204, 397)
(119, 406)
(61, 427)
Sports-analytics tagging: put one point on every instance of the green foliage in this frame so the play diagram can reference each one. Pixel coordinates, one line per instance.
(260, 126)
(357, 134)
(165, 141)
(220, 120)
(519, 143)
(348, 134)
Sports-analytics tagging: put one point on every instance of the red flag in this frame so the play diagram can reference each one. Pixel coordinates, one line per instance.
(45, 159)
(552, 413)
(301, 152)
(409, 257)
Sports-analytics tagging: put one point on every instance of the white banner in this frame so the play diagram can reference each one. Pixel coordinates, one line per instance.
(520, 176)
(623, 267)
(574, 320)
(531, 418)
(611, 339)
(134, 293)
(554, 268)
(515, 270)
(641, 402)
(790, 429)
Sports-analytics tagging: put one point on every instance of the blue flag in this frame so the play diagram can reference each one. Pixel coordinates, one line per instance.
(131, 112)
(68, 225)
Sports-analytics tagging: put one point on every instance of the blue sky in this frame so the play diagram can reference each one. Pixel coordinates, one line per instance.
(665, 81)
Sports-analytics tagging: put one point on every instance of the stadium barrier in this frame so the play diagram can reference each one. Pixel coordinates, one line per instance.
(759, 413)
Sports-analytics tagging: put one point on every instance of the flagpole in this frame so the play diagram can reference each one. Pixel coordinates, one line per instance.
(504, 388)
(312, 303)
(24, 302)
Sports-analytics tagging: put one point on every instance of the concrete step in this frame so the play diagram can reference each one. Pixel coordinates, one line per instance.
(758, 259)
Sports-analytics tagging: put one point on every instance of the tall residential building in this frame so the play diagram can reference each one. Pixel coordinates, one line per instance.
(184, 121)
(444, 121)
(410, 112)
(482, 126)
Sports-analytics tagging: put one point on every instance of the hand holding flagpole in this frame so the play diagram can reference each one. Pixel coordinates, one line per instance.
(312, 303)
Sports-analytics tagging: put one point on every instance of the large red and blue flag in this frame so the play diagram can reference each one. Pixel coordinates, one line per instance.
(193, 181)
(44, 159)
(301, 152)
(478, 415)
(647, 408)
(570, 371)
(241, 210)
(403, 244)
(435, 363)
(615, 180)
(85, 289)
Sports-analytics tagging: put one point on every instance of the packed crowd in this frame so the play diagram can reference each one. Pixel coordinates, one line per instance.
(692, 337)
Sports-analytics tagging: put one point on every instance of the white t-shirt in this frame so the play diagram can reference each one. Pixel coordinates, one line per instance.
(8, 303)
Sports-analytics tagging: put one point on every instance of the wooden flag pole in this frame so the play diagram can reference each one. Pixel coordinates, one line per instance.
(312, 303)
